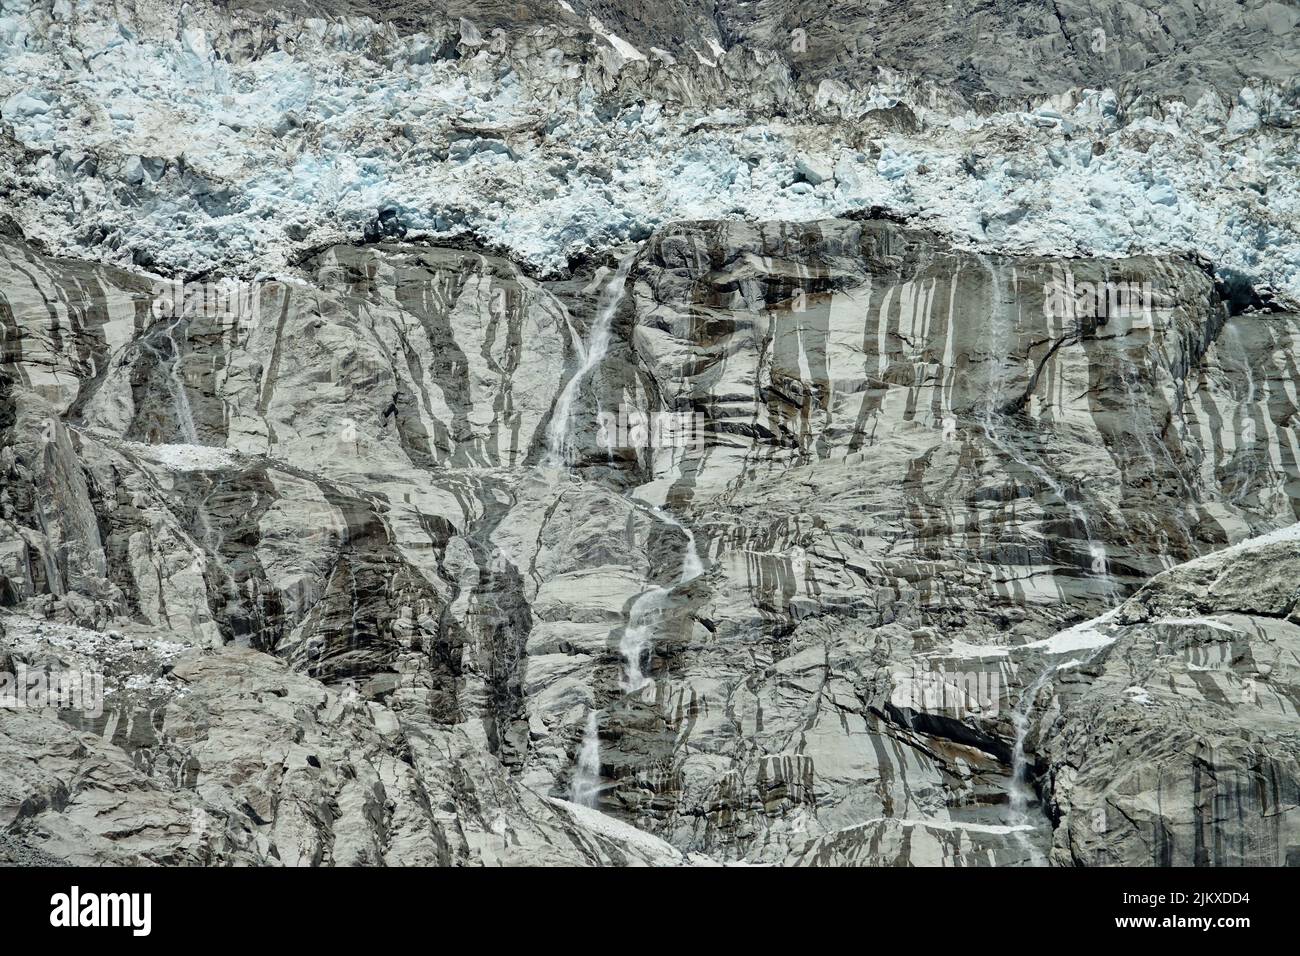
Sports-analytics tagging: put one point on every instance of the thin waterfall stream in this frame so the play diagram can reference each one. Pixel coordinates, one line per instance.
(558, 431)
(586, 786)
(1021, 795)
(650, 607)
(176, 381)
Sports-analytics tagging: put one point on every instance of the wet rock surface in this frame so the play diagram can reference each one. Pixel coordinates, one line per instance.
(816, 518)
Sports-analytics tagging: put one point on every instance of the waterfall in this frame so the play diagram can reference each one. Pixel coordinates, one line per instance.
(650, 606)
(637, 635)
(557, 431)
(184, 414)
(692, 566)
(991, 420)
(1244, 440)
(586, 785)
(1019, 792)
(180, 400)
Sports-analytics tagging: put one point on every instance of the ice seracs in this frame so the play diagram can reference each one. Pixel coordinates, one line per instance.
(208, 158)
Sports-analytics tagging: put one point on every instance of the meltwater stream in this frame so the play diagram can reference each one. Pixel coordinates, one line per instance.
(560, 426)
(1020, 793)
(993, 421)
(586, 784)
(176, 383)
(650, 607)
(585, 788)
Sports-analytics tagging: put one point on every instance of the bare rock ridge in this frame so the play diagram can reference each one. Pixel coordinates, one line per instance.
(931, 556)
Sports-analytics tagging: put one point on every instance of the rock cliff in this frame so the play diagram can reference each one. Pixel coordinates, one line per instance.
(798, 543)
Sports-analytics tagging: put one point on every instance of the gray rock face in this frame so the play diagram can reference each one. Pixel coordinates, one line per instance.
(1176, 743)
(807, 514)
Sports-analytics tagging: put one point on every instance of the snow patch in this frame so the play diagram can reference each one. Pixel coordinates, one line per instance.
(625, 49)
(1199, 622)
(1080, 637)
(1138, 695)
(185, 457)
(1278, 536)
(620, 832)
(992, 828)
(960, 650)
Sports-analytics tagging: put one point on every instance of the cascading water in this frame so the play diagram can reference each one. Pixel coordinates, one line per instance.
(557, 431)
(650, 606)
(1244, 441)
(184, 414)
(638, 635)
(1020, 794)
(586, 785)
(692, 566)
(180, 399)
(992, 420)
(989, 413)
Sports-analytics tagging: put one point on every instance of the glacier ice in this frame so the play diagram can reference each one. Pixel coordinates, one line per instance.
(208, 157)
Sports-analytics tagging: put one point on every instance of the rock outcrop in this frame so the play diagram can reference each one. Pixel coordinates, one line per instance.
(808, 514)
(1176, 743)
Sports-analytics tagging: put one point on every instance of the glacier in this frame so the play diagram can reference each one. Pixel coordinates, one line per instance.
(195, 143)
